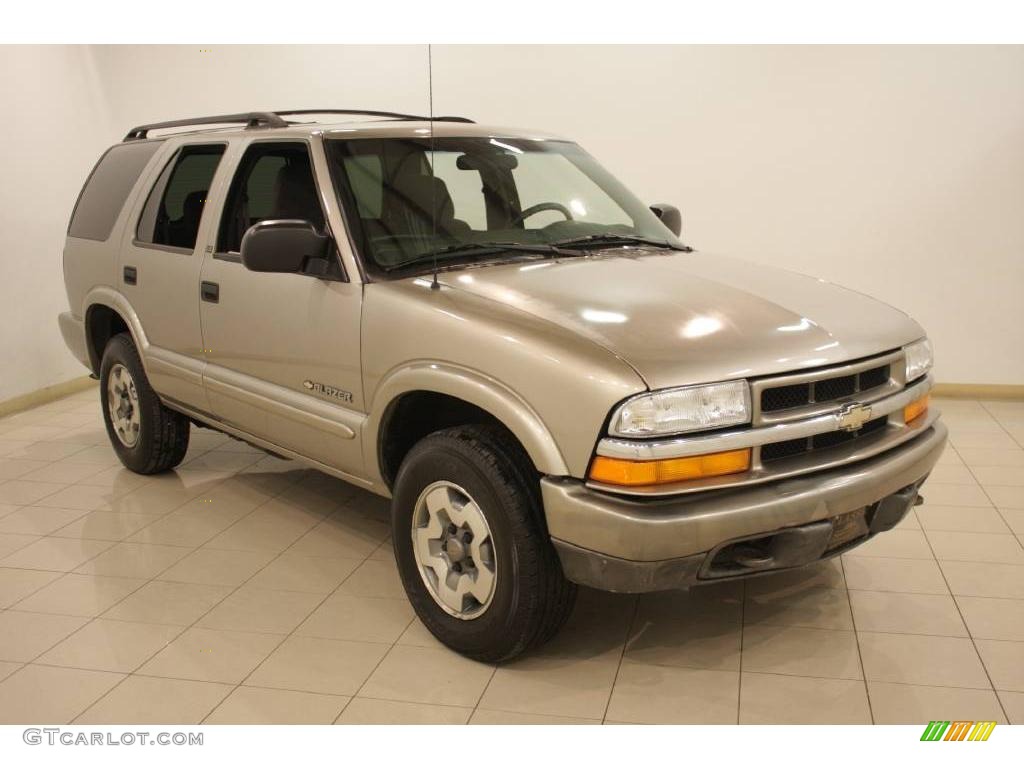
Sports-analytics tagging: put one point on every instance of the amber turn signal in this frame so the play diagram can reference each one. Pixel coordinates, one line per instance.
(915, 409)
(637, 473)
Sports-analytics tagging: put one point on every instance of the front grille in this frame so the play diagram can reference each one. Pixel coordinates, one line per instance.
(822, 391)
(788, 448)
(833, 389)
(876, 377)
(783, 398)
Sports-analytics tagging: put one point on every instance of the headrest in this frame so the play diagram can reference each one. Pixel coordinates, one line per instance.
(295, 193)
(429, 196)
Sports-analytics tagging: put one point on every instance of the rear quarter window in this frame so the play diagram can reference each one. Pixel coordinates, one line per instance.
(107, 188)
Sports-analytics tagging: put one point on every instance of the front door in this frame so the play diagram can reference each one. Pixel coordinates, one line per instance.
(282, 350)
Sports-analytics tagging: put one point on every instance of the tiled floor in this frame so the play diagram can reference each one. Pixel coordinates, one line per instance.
(242, 588)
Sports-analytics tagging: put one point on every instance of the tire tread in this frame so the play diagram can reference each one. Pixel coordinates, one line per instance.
(549, 597)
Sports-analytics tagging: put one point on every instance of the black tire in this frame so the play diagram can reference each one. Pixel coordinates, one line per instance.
(532, 598)
(163, 434)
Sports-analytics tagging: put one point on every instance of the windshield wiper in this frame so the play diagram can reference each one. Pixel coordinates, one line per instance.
(482, 249)
(611, 238)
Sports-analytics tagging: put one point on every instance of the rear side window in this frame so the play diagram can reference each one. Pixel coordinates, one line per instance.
(107, 188)
(175, 205)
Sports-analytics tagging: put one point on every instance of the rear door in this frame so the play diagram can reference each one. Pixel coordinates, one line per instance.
(282, 349)
(160, 266)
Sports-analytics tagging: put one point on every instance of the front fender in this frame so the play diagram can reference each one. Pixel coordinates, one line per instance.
(475, 388)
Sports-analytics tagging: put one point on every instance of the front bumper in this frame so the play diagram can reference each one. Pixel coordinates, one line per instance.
(629, 545)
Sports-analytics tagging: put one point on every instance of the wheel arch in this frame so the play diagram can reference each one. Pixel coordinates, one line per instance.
(107, 314)
(421, 398)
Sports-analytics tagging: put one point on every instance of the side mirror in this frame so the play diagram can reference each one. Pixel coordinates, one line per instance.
(282, 245)
(670, 217)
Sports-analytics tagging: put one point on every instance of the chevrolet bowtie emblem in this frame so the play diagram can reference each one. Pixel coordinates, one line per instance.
(853, 416)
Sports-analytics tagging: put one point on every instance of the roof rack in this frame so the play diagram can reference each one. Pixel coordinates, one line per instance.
(250, 119)
(374, 113)
(276, 119)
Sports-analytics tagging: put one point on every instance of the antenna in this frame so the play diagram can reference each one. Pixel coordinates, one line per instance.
(434, 285)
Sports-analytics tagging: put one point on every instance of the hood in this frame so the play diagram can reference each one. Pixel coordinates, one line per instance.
(684, 318)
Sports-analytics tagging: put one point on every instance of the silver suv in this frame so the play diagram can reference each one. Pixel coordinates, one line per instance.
(485, 326)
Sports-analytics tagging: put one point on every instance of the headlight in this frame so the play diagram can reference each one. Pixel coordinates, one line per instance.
(918, 358)
(686, 409)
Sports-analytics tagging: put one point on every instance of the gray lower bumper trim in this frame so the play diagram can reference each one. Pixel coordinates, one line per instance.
(672, 528)
(772, 552)
(613, 574)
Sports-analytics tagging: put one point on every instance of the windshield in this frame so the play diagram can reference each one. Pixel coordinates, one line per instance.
(406, 203)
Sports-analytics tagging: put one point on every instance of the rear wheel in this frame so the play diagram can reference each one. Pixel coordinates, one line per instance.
(146, 436)
(471, 546)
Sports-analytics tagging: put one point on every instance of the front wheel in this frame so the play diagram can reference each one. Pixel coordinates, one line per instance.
(472, 551)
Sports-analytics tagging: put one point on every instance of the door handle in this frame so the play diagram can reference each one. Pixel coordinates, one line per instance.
(209, 292)
(131, 275)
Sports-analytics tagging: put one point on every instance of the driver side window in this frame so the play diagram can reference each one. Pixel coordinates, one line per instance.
(273, 181)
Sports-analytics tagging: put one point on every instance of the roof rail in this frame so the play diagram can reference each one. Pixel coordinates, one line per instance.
(251, 120)
(276, 119)
(374, 113)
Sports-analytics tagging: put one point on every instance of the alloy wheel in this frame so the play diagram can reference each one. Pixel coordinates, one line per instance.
(452, 544)
(123, 406)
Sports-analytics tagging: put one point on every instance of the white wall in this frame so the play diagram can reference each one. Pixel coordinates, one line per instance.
(164, 82)
(64, 105)
(54, 126)
(897, 171)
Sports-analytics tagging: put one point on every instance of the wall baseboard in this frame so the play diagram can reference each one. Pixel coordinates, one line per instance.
(980, 391)
(46, 395)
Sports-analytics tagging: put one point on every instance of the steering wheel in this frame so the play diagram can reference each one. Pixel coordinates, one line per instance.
(534, 209)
